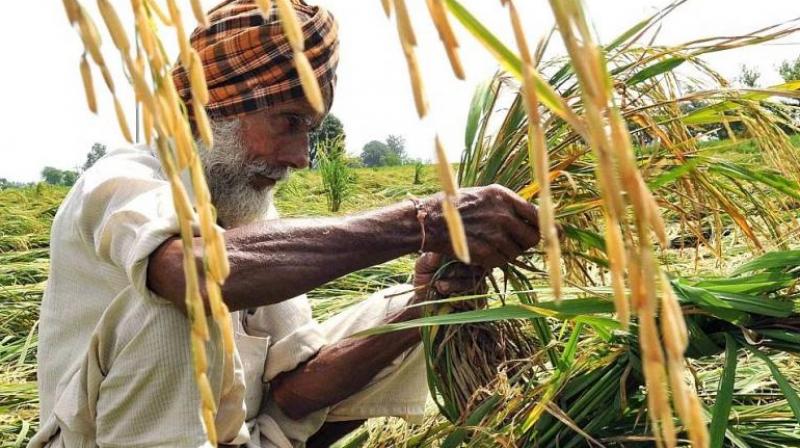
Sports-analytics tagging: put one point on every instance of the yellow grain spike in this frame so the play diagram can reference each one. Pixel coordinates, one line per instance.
(145, 32)
(71, 7)
(162, 16)
(88, 84)
(199, 360)
(265, 6)
(418, 88)
(89, 36)
(291, 27)
(309, 82)
(199, 13)
(206, 394)
(147, 126)
(387, 7)
(203, 126)
(448, 38)
(198, 78)
(123, 123)
(616, 260)
(455, 226)
(114, 25)
(211, 430)
(538, 158)
(404, 23)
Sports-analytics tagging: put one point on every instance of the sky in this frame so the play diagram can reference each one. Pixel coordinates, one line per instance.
(44, 120)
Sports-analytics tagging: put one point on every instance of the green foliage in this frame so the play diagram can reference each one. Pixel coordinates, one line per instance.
(331, 128)
(419, 167)
(98, 150)
(55, 176)
(338, 178)
(790, 70)
(748, 76)
(389, 153)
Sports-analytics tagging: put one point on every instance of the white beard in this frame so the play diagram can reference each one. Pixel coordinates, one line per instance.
(229, 175)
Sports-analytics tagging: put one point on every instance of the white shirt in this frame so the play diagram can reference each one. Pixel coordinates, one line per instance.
(114, 217)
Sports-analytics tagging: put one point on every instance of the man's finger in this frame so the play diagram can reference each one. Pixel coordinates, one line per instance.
(524, 209)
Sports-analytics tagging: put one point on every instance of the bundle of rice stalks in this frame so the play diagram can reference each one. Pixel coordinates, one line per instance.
(573, 121)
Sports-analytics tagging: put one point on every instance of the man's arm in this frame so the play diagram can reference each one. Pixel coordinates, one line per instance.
(276, 260)
(341, 369)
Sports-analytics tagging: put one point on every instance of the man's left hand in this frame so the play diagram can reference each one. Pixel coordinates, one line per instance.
(456, 279)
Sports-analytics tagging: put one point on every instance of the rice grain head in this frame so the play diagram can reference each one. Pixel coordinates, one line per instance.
(122, 121)
(115, 28)
(265, 6)
(291, 26)
(309, 82)
(88, 84)
(455, 226)
(199, 13)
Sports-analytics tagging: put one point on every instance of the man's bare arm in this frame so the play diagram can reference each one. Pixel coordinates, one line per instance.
(343, 368)
(276, 260)
(339, 370)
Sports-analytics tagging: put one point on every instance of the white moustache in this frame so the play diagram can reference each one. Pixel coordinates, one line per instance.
(276, 173)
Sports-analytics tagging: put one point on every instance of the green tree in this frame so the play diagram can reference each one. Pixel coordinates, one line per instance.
(55, 176)
(790, 70)
(397, 145)
(331, 128)
(52, 176)
(376, 153)
(98, 151)
(748, 76)
(69, 178)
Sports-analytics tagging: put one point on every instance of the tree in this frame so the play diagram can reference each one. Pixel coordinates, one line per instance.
(374, 154)
(330, 129)
(52, 176)
(749, 76)
(397, 145)
(55, 176)
(98, 151)
(69, 178)
(790, 70)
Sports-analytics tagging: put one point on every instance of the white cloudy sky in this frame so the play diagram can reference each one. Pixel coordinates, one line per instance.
(44, 120)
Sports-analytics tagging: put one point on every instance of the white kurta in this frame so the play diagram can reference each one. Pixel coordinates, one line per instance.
(114, 361)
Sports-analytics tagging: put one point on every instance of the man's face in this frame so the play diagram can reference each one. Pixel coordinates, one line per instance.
(252, 153)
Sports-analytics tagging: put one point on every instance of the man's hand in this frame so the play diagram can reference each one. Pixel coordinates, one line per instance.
(499, 225)
(455, 279)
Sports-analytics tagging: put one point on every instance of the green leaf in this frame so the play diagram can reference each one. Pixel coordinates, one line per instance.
(507, 58)
(716, 112)
(585, 237)
(457, 437)
(566, 310)
(761, 283)
(709, 302)
(774, 180)
(778, 260)
(724, 399)
(674, 174)
(783, 383)
(654, 70)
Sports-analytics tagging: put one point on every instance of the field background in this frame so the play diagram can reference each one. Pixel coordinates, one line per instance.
(26, 215)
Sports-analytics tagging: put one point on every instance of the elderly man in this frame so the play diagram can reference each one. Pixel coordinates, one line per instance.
(114, 357)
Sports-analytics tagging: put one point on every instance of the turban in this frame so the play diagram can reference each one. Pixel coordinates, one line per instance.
(248, 61)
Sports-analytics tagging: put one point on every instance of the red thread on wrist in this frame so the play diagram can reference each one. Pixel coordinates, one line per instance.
(421, 215)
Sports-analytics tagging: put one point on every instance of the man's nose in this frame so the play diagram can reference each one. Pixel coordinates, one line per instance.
(295, 155)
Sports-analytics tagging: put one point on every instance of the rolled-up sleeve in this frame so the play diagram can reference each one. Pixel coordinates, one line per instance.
(125, 214)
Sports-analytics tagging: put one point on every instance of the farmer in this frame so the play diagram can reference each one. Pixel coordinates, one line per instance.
(114, 360)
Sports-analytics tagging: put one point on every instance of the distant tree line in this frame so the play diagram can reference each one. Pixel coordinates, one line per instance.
(55, 176)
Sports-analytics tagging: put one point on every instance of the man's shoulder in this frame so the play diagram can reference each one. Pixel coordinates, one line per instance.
(127, 162)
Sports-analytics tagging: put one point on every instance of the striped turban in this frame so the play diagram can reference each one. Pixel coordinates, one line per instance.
(248, 61)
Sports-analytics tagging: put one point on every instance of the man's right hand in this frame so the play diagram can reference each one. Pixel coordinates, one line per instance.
(498, 223)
